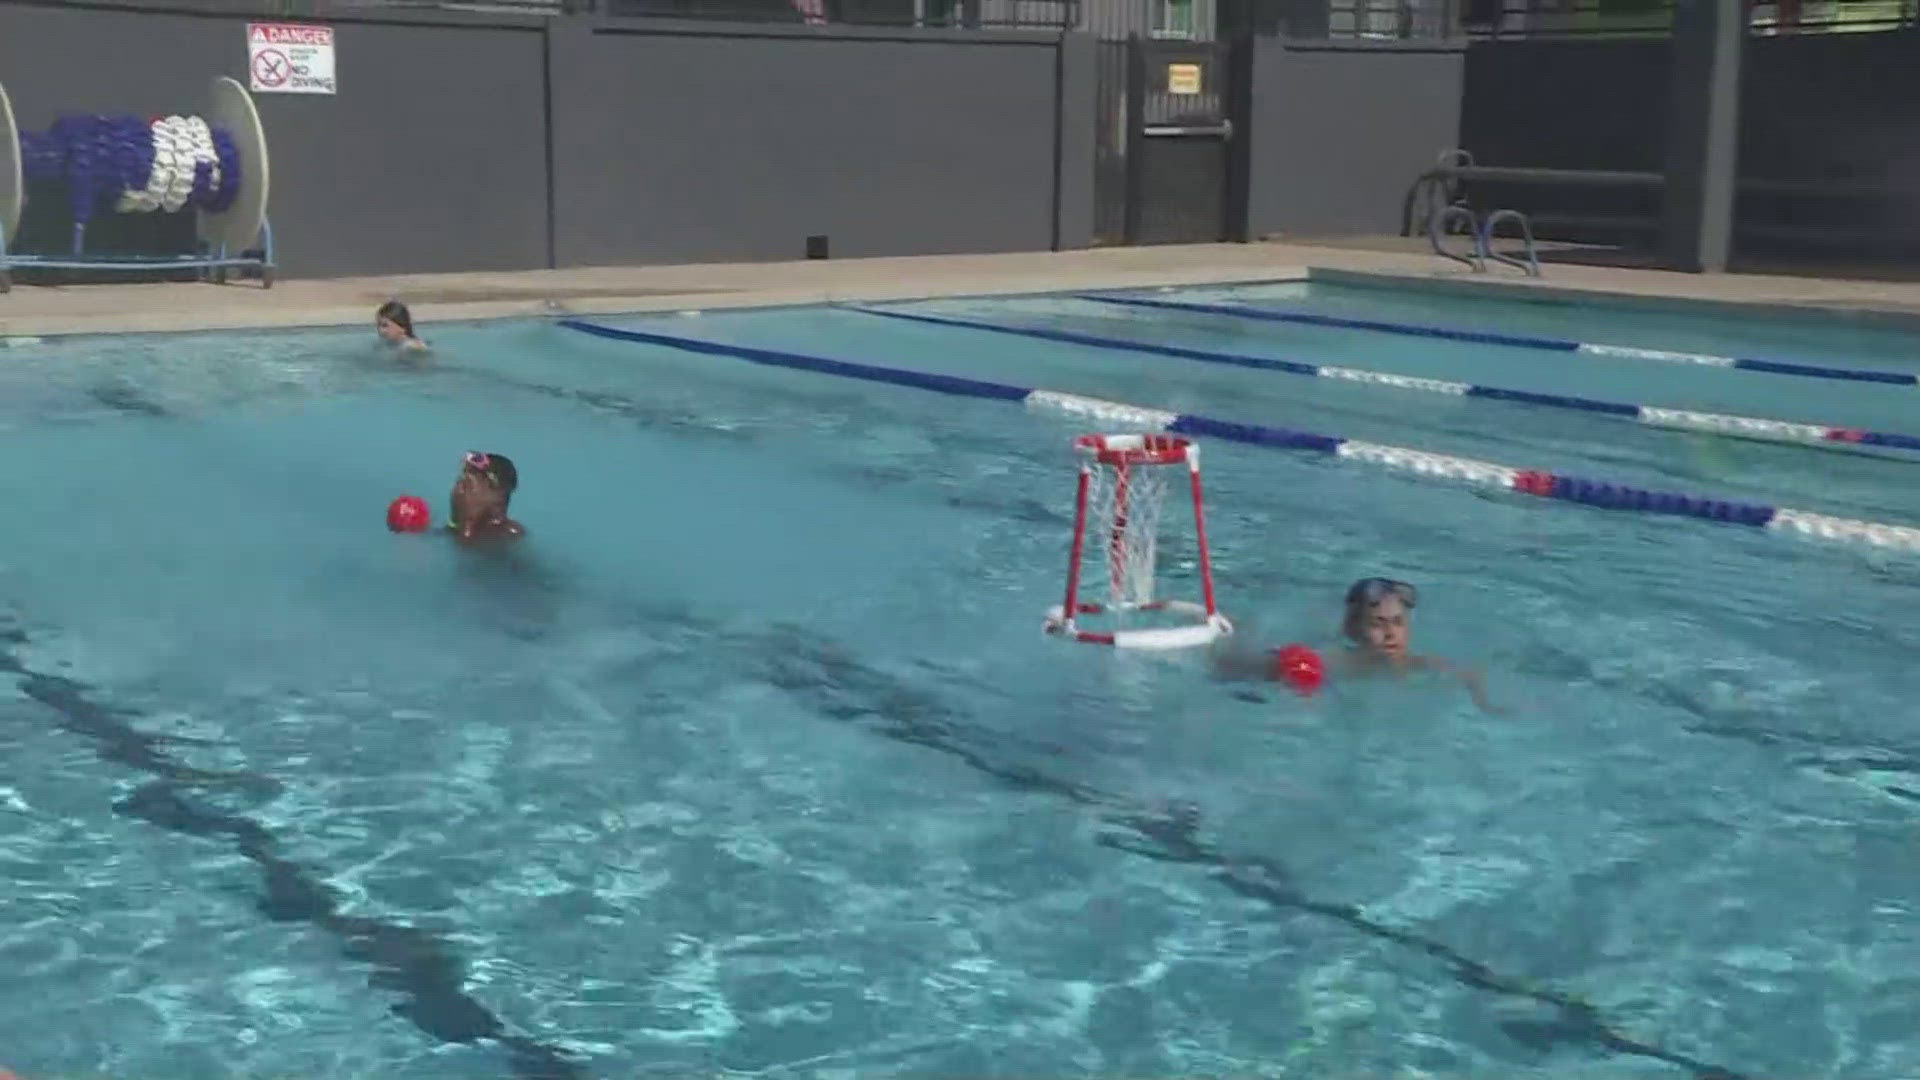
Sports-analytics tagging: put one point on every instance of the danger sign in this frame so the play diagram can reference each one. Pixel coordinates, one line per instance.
(289, 58)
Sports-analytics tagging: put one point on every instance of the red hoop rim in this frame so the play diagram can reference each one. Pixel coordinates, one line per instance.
(1150, 449)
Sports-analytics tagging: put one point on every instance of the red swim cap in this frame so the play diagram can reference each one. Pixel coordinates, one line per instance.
(1298, 667)
(408, 513)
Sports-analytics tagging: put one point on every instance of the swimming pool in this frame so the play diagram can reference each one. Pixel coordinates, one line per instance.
(753, 760)
(1857, 340)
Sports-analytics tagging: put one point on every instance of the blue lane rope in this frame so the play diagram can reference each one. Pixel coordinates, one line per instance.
(944, 384)
(1537, 483)
(1677, 419)
(1517, 341)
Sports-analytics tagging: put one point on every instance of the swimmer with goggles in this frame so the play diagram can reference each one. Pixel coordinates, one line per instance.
(480, 497)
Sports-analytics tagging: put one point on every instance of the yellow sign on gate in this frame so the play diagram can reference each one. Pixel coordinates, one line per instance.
(1183, 78)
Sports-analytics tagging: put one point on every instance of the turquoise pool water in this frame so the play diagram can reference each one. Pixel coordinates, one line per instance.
(1820, 338)
(1846, 482)
(752, 760)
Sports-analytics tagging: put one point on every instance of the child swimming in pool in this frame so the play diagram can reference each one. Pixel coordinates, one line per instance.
(1378, 627)
(480, 497)
(394, 323)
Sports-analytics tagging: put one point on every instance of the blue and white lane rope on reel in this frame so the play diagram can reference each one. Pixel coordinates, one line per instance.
(1518, 341)
(1540, 484)
(214, 167)
(1745, 427)
(165, 164)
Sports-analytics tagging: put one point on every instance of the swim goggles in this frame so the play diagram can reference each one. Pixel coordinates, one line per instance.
(1375, 589)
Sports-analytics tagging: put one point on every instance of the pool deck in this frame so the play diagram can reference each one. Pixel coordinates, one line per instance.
(32, 311)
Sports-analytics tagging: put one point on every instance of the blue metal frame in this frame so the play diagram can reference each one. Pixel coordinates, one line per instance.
(214, 266)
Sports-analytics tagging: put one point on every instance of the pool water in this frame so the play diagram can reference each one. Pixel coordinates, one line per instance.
(1823, 338)
(1634, 381)
(1848, 482)
(752, 758)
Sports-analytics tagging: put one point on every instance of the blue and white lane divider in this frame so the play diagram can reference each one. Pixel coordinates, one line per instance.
(1745, 427)
(1537, 483)
(1518, 341)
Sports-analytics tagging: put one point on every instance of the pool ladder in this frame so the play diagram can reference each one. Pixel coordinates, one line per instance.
(1481, 230)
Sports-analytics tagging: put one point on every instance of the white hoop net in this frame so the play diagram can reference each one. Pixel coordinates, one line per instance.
(1123, 488)
(1124, 504)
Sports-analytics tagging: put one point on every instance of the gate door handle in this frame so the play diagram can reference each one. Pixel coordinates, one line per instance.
(1222, 130)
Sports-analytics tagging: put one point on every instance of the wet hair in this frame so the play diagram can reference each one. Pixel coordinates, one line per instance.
(501, 472)
(396, 313)
(1362, 595)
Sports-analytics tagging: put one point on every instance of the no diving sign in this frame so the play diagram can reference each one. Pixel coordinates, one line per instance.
(289, 58)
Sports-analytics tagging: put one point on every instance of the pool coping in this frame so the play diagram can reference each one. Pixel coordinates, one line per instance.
(187, 307)
(156, 308)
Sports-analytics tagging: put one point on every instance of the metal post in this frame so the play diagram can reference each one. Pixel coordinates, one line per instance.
(1070, 608)
(1136, 89)
(1703, 134)
(1117, 540)
(1200, 532)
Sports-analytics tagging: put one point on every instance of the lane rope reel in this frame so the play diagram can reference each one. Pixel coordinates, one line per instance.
(167, 163)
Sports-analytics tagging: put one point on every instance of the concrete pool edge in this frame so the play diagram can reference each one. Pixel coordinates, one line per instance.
(472, 296)
(30, 312)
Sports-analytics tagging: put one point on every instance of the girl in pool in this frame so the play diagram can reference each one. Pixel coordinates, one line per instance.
(1377, 626)
(480, 497)
(394, 323)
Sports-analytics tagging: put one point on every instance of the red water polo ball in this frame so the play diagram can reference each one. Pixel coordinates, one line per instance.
(408, 514)
(1300, 668)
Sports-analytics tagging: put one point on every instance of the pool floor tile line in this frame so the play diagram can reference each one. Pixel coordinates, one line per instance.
(1171, 833)
(418, 965)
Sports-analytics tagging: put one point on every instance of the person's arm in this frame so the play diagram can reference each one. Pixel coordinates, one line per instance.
(1234, 662)
(1476, 684)
(1477, 689)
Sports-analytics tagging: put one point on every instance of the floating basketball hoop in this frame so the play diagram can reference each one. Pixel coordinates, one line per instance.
(1123, 487)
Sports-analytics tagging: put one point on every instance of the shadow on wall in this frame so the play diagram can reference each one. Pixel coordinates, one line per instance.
(1827, 159)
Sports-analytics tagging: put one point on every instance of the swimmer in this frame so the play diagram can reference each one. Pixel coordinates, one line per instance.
(394, 323)
(480, 498)
(1377, 626)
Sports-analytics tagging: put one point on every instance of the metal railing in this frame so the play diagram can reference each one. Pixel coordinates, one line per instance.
(1528, 260)
(1197, 20)
(1441, 224)
(935, 14)
(323, 9)
(1413, 20)
(1388, 20)
(1507, 19)
(1052, 15)
(1396, 20)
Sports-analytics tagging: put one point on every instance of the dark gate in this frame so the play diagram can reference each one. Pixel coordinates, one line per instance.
(1165, 146)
